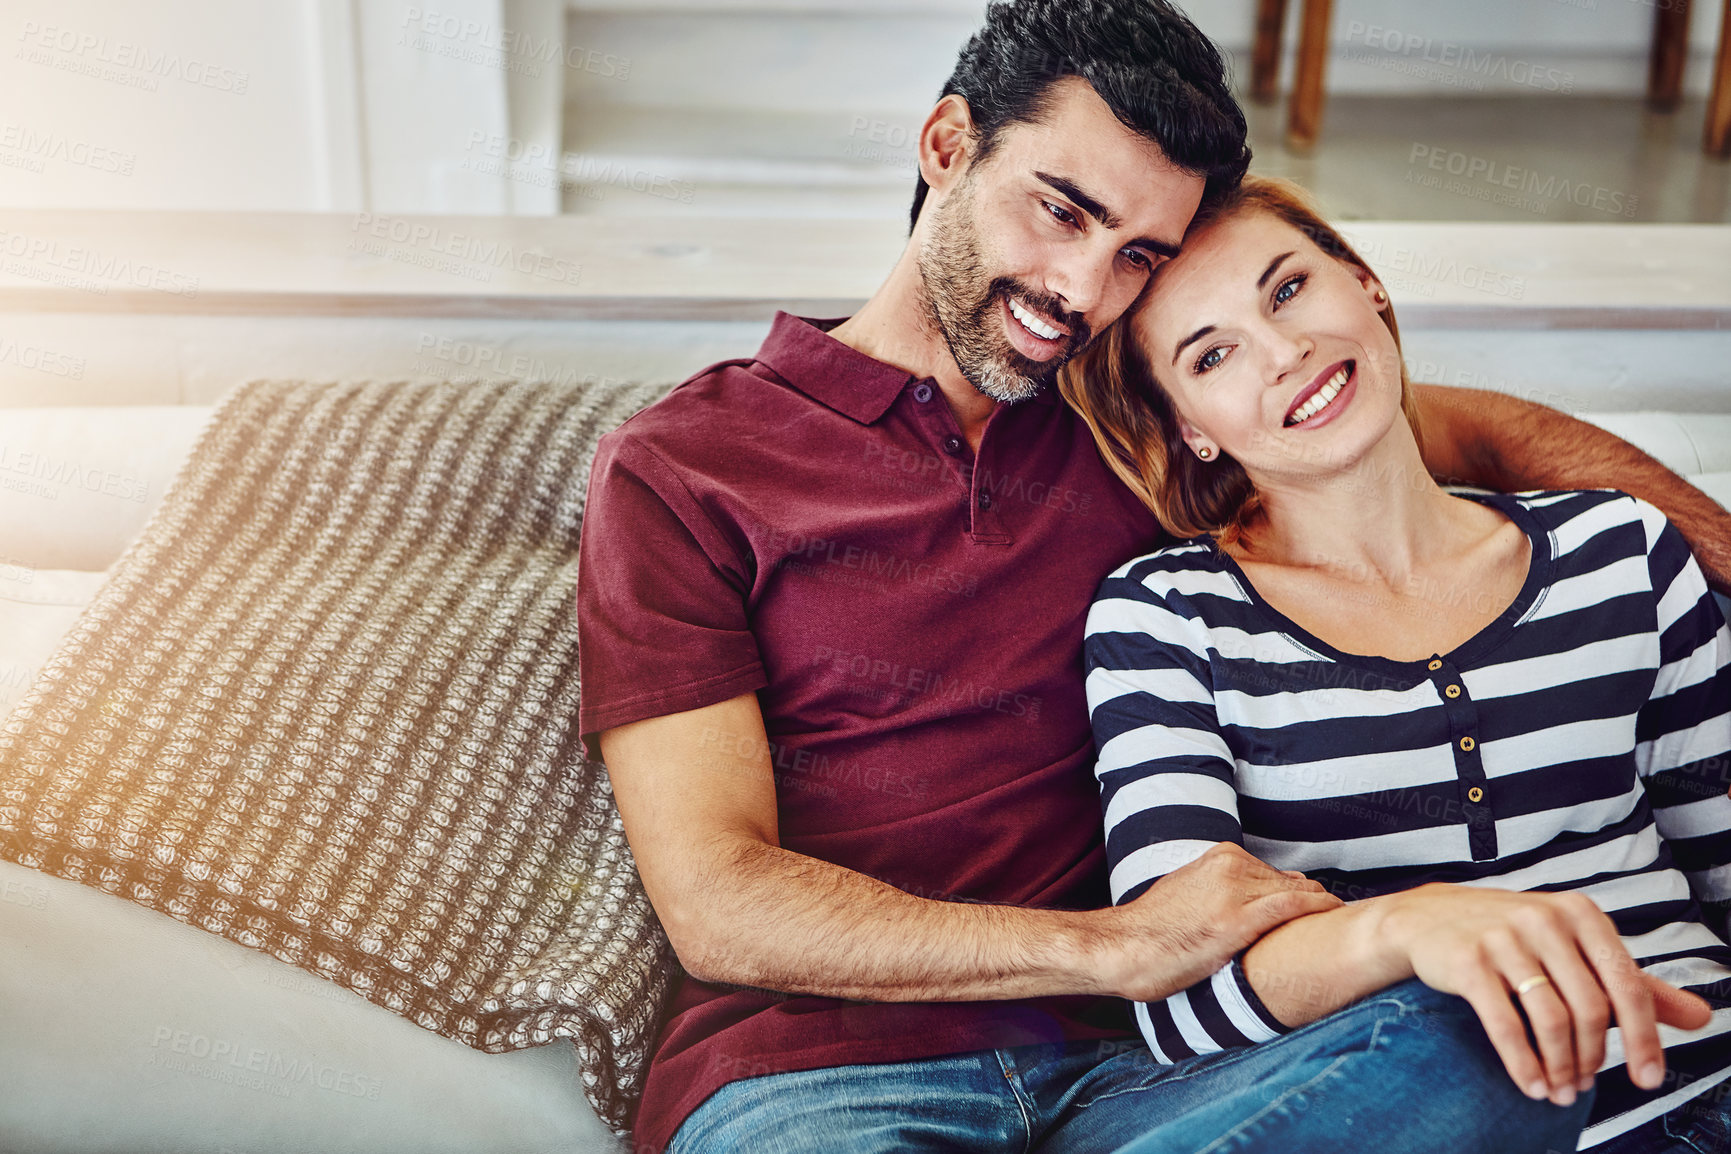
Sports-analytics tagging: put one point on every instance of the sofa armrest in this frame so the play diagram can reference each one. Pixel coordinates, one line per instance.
(78, 484)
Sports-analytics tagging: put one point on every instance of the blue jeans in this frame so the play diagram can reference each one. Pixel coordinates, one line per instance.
(1701, 1125)
(1405, 1070)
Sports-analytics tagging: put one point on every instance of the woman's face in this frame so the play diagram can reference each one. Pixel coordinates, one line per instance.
(1271, 350)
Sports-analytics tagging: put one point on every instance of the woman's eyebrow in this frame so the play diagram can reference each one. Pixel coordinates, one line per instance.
(1269, 271)
(1196, 336)
(1206, 329)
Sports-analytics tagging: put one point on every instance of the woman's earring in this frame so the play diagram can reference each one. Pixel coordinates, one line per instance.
(1381, 297)
(1205, 452)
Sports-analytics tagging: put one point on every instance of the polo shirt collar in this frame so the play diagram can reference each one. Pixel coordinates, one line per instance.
(801, 352)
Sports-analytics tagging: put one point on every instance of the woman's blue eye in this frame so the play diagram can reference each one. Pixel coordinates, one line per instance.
(1281, 296)
(1208, 360)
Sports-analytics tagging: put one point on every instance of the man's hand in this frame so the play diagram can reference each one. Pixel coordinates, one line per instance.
(1196, 918)
(697, 795)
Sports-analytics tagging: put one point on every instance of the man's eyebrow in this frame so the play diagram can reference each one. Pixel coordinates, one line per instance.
(1269, 271)
(1106, 217)
(1192, 339)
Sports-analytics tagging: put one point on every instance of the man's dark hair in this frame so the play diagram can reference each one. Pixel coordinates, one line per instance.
(1157, 73)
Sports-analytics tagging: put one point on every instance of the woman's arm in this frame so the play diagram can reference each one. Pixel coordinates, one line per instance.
(1484, 944)
(1684, 731)
(1167, 789)
(1501, 442)
(1481, 943)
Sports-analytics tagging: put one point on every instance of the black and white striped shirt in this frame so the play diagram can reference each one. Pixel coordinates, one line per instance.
(1581, 741)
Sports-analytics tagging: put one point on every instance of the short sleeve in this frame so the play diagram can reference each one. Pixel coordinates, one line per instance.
(662, 621)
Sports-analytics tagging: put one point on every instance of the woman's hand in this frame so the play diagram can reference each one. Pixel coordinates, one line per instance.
(1560, 958)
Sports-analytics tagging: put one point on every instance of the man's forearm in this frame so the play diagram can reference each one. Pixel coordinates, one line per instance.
(1502, 442)
(837, 933)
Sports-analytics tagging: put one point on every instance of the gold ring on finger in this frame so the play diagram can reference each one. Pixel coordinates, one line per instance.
(1531, 983)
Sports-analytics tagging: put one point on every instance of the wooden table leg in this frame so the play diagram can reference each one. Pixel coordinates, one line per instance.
(1670, 51)
(1265, 51)
(1304, 120)
(1719, 104)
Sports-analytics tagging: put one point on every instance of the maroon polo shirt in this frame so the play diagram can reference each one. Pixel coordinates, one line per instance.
(811, 526)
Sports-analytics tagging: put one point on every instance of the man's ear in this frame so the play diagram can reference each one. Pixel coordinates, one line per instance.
(946, 142)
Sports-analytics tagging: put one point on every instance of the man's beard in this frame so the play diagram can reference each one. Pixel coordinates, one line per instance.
(964, 301)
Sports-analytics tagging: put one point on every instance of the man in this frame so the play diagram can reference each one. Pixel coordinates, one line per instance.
(831, 606)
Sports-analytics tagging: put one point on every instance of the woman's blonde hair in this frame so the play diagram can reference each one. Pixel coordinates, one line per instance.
(1112, 386)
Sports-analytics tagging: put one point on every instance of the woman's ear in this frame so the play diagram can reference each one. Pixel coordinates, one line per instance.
(1197, 441)
(1372, 288)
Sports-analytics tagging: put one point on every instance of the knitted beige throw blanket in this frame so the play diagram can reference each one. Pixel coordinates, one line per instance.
(326, 706)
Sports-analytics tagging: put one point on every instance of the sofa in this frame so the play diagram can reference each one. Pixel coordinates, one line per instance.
(125, 1030)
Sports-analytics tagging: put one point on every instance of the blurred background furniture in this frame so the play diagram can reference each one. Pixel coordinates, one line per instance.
(1304, 113)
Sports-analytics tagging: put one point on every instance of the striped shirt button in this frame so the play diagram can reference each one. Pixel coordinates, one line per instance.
(1434, 666)
(1467, 744)
(1475, 794)
(1453, 691)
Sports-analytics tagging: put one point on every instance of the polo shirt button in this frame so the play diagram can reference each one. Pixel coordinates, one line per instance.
(1467, 744)
(953, 445)
(985, 500)
(923, 393)
(1453, 691)
(1475, 794)
(1434, 666)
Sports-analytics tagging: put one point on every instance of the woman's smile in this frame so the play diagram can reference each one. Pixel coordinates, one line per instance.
(1325, 398)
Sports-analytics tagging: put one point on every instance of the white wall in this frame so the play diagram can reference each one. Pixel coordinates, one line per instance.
(288, 105)
(344, 105)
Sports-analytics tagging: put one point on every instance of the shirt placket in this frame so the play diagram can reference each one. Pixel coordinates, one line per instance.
(1463, 723)
(985, 515)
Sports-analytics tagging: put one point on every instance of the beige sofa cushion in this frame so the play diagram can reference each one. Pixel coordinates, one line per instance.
(37, 607)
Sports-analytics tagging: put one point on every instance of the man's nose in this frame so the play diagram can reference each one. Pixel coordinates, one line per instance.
(1081, 282)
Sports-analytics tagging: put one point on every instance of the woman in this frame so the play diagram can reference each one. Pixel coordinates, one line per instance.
(1487, 721)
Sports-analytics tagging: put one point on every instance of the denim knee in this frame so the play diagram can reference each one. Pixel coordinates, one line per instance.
(1439, 1038)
